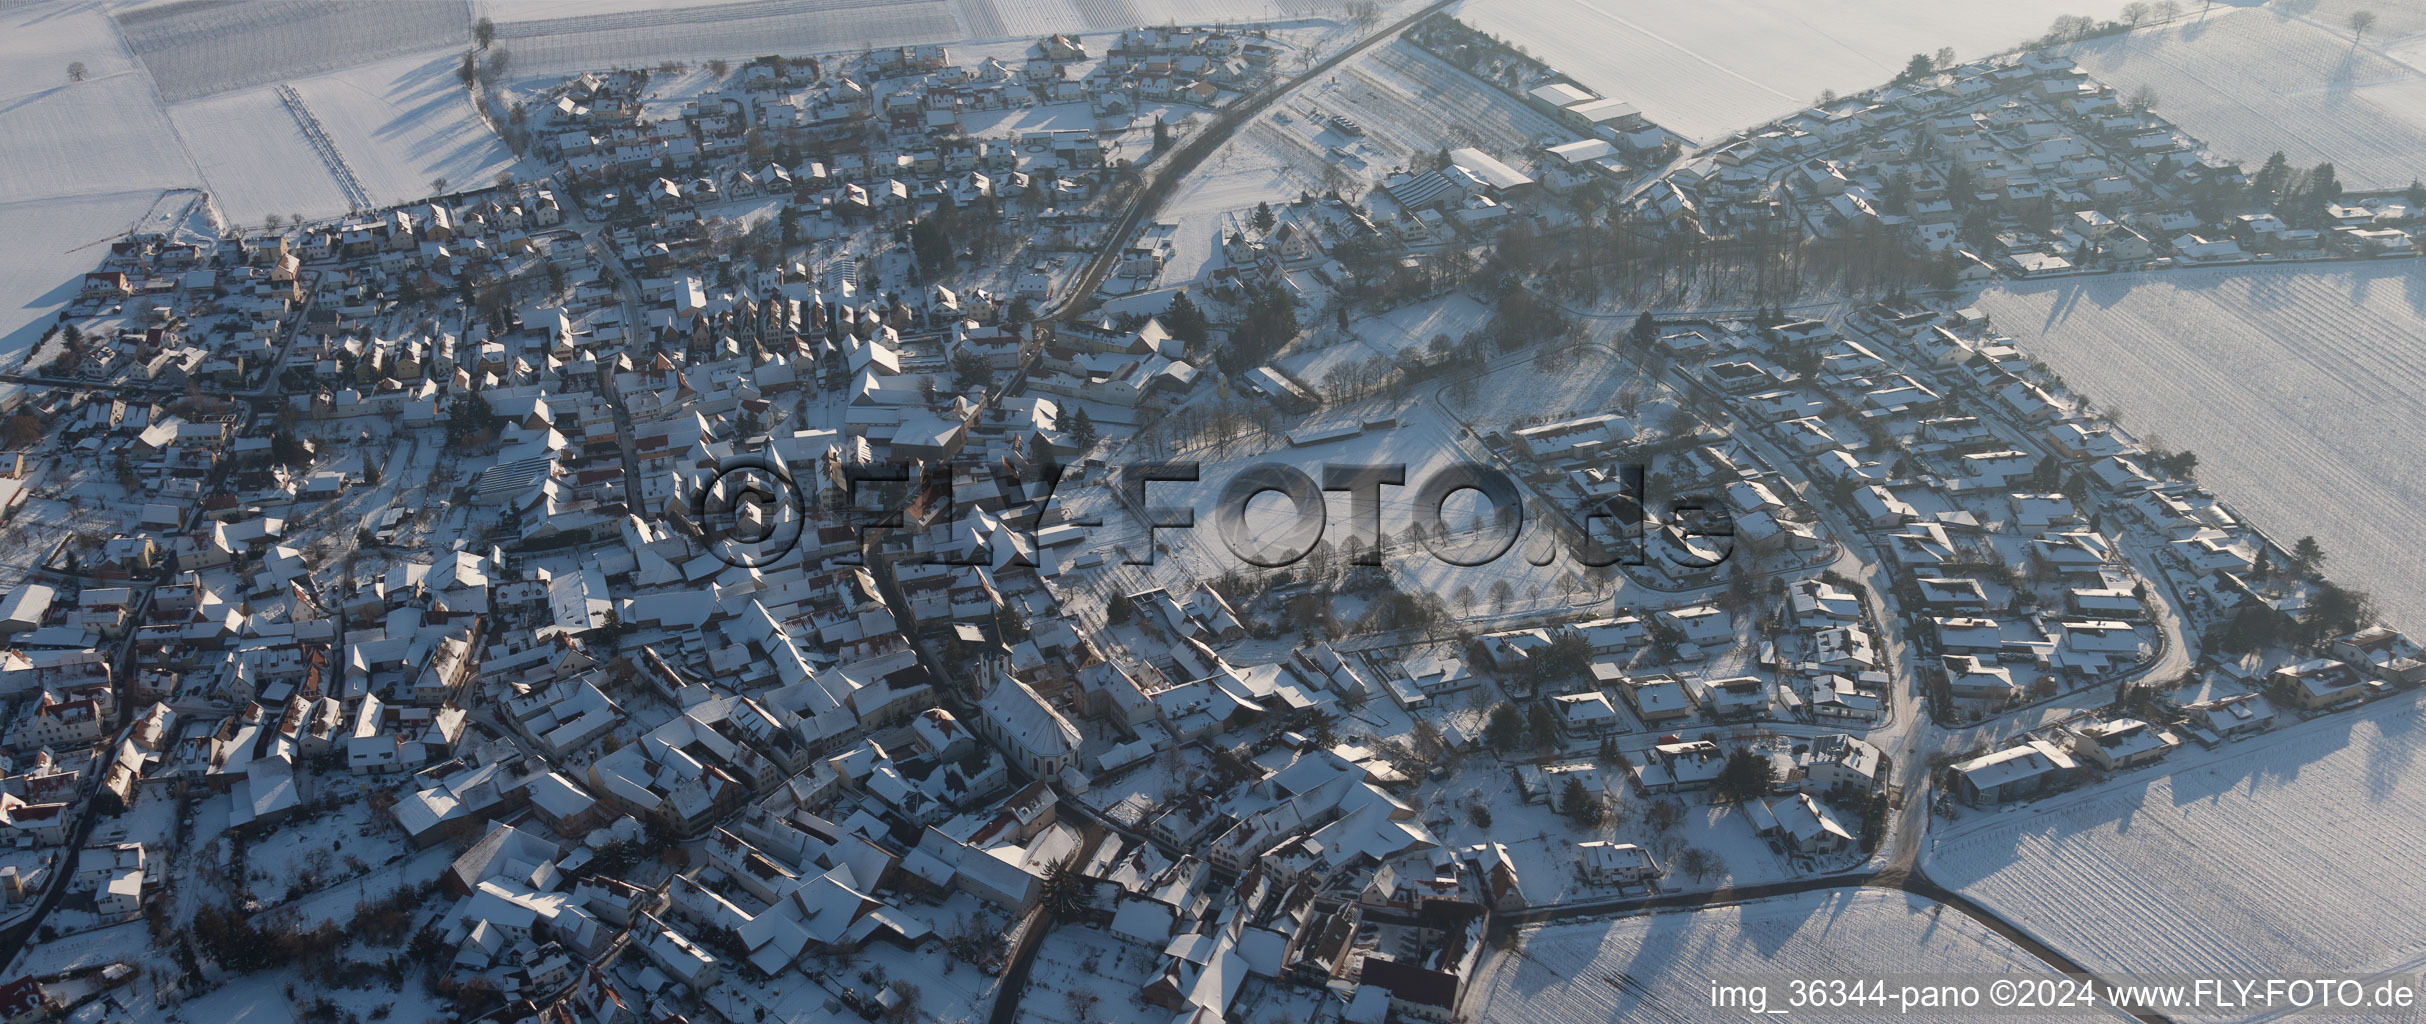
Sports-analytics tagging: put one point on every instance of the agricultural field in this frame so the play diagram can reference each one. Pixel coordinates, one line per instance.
(643, 37)
(77, 138)
(255, 158)
(1660, 966)
(2298, 387)
(2251, 82)
(401, 123)
(2228, 861)
(197, 50)
(1695, 70)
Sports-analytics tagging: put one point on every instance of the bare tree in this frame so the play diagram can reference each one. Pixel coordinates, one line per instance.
(2142, 99)
(1945, 57)
(2360, 22)
(75, 71)
(1702, 864)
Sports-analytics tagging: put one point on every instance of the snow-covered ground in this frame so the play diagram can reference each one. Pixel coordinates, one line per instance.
(1708, 68)
(254, 156)
(644, 37)
(196, 50)
(1661, 966)
(1542, 842)
(1408, 328)
(2298, 387)
(262, 999)
(2288, 853)
(75, 138)
(401, 123)
(2251, 82)
(51, 244)
(1087, 974)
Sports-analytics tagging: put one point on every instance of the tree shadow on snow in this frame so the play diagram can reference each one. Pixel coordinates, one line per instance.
(2390, 753)
(16, 345)
(2262, 769)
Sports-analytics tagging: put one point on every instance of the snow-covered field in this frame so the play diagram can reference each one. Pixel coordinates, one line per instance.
(2298, 387)
(77, 138)
(563, 36)
(1660, 966)
(50, 247)
(402, 122)
(2288, 853)
(643, 37)
(1708, 68)
(2251, 82)
(196, 50)
(255, 158)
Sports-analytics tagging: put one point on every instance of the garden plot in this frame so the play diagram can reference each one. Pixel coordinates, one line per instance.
(2292, 853)
(1408, 329)
(1541, 841)
(262, 999)
(1087, 974)
(1660, 967)
(1700, 70)
(2298, 387)
(197, 50)
(402, 123)
(255, 159)
(2251, 82)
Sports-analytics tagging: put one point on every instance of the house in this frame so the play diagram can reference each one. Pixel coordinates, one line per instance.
(2238, 715)
(1700, 624)
(1587, 715)
(2317, 684)
(25, 607)
(1675, 767)
(678, 956)
(1659, 698)
(1971, 677)
(1607, 863)
(2382, 648)
(2122, 743)
(1803, 826)
(2014, 773)
(1837, 760)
